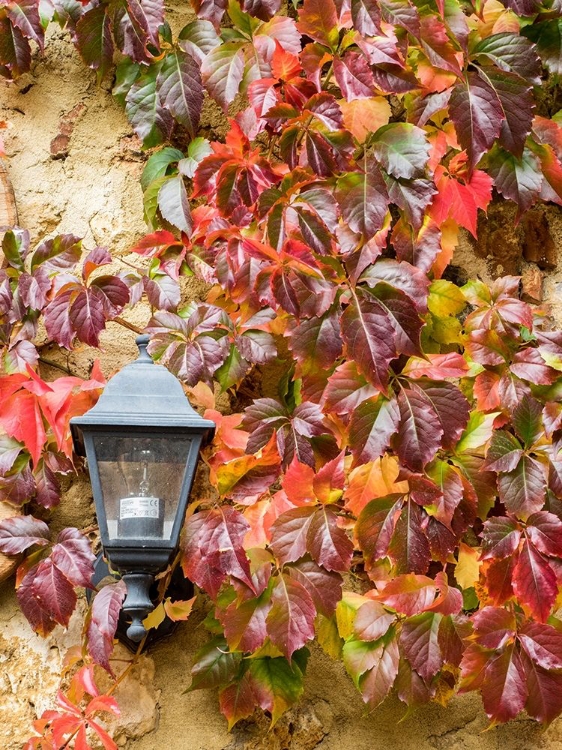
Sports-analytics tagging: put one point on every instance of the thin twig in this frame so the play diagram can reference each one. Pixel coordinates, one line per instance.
(126, 324)
(48, 362)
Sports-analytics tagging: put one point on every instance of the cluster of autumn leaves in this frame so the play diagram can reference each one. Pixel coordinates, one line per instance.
(413, 440)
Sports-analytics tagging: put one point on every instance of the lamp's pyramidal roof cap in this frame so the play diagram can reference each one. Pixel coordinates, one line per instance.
(143, 394)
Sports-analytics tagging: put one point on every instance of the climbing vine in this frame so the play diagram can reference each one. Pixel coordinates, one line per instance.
(399, 499)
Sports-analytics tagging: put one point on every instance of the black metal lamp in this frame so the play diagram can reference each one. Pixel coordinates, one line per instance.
(142, 441)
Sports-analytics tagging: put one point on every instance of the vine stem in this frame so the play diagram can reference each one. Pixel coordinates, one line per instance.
(48, 362)
(126, 324)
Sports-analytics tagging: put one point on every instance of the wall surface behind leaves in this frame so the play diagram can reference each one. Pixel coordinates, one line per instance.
(75, 166)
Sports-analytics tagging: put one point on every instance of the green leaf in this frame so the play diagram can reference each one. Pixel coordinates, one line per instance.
(94, 40)
(519, 180)
(151, 122)
(402, 149)
(158, 163)
(277, 684)
(214, 665)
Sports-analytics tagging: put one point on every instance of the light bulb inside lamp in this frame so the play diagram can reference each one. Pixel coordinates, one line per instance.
(141, 512)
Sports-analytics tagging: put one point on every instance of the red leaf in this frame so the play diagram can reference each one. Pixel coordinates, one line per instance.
(544, 530)
(319, 21)
(420, 434)
(504, 689)
(46, 595)
(372, 621)
(21, 417)
(534, 582)
(460, 200)
(498, 578)
(103, 623)
(477, 115)
(74, 557)
(324, 587)
(213, 549)
(494, 627)
(237, 700)
(327, 543)
(290, 622)
(244, 624)
(543, 644)
(409, 594)
(21, 532)
(329, 481)
(289, 534)
(544, 702)
(420, 644)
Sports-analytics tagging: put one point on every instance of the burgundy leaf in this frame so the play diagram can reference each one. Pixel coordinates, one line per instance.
(324, 587)
(500, 537)
(103, 623)
(21, 532)
(365, 334)
(290, 622)
(522, 490)
(213, 548)
(363, 199)
(477, 115)
(46, 597)
(420, 644)
(289, 534)
(72, 554)
(450, 405)
(87, 315)
(419, 434)
(409, 546)
(181, 90)
(327, 543)
(372, 425)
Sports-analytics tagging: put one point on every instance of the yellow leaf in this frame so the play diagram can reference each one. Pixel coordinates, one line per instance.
(449, 241)
(179, 610)
(374, 479)
(155, 618)
(346, 611)
(328, 636)
(445, 298)
(467, 570)
(364, 116)
(447, 330)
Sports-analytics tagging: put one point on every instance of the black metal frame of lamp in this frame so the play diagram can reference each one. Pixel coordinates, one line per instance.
(179, 588)
(142, 400)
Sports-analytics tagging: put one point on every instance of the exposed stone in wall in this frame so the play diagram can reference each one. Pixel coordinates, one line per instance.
(75, 165)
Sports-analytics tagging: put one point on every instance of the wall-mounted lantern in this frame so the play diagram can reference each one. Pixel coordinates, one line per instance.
(142, 441)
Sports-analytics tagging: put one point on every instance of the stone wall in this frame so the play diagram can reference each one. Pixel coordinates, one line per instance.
(75, 165)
